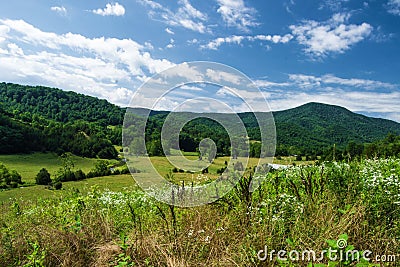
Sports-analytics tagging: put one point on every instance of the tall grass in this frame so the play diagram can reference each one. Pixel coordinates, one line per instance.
(298, 208)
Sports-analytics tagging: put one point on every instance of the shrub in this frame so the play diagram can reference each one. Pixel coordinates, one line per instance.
(221, 171)
(7, 177)
(79, 175)
(43, 177)
(57, 185)
(238, 166)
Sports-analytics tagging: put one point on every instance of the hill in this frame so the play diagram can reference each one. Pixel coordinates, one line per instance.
(324, 125)
(25, 102)
(307, 129)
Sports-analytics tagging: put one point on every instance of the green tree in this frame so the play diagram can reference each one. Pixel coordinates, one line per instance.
(43, 177)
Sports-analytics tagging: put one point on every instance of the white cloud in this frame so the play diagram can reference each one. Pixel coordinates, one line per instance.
(308, 81)
(332, 36)
(335, 5)
(269, 84)
(186, 16)
(192, 87)
(171, 43)
(15, 50)
(60, 10)
(236, 14)
(237, 39)
(115, 9)
(186, 71)
(219, 76)
(103, 67)
(368, 84)
(169, 31)
(193, 41)
(393, 7)
(3, 32)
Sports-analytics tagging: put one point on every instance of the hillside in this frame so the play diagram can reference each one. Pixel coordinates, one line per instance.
(58, 105)
(307, 129)
(323, 124)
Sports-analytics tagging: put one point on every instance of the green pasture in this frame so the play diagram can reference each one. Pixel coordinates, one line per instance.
(28, 165)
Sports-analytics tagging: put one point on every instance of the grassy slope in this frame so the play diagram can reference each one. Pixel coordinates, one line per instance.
(113, 183)
(28, 165)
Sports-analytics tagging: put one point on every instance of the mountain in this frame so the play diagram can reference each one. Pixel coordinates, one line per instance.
(309, 128)
(58, 105)
(322, 125)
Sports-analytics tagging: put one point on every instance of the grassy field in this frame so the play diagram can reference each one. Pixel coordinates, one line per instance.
(28, 165)
(32, 193)
(108, 222)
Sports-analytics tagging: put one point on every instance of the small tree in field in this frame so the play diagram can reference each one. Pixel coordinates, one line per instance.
(43, 177)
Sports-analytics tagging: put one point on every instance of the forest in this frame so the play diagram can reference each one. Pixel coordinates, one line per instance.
(37, 118)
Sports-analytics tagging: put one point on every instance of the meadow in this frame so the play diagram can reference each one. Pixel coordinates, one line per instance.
(108, 221)
(28, 165)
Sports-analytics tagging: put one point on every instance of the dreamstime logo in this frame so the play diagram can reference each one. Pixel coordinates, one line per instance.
(191, 91)
(341, 254)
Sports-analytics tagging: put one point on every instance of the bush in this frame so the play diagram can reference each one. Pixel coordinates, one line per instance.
(43, 177)
(79, 175)
(238, 166)
(57, 185)
(125, 170)
(8, 177)
(221, 171)
(67, 177)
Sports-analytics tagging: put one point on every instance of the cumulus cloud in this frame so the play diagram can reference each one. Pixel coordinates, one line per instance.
(186, 16)
(59, 9)
(236, 14)
(237, 39)
(332, 36)
(104, 67)
(393, 7)
(115, 9)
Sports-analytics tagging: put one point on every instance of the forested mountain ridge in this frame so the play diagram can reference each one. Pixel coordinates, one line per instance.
(307, 129)
(58, 105)
(316, 123)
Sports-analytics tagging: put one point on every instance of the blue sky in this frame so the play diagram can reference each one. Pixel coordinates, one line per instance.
(339, 52)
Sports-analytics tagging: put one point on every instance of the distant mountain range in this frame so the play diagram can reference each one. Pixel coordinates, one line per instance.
(312, 125)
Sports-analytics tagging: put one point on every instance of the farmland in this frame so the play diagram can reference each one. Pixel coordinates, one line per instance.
(107, 221)
(340, 190)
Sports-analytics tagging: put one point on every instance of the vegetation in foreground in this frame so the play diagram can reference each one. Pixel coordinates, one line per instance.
(303, 207)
